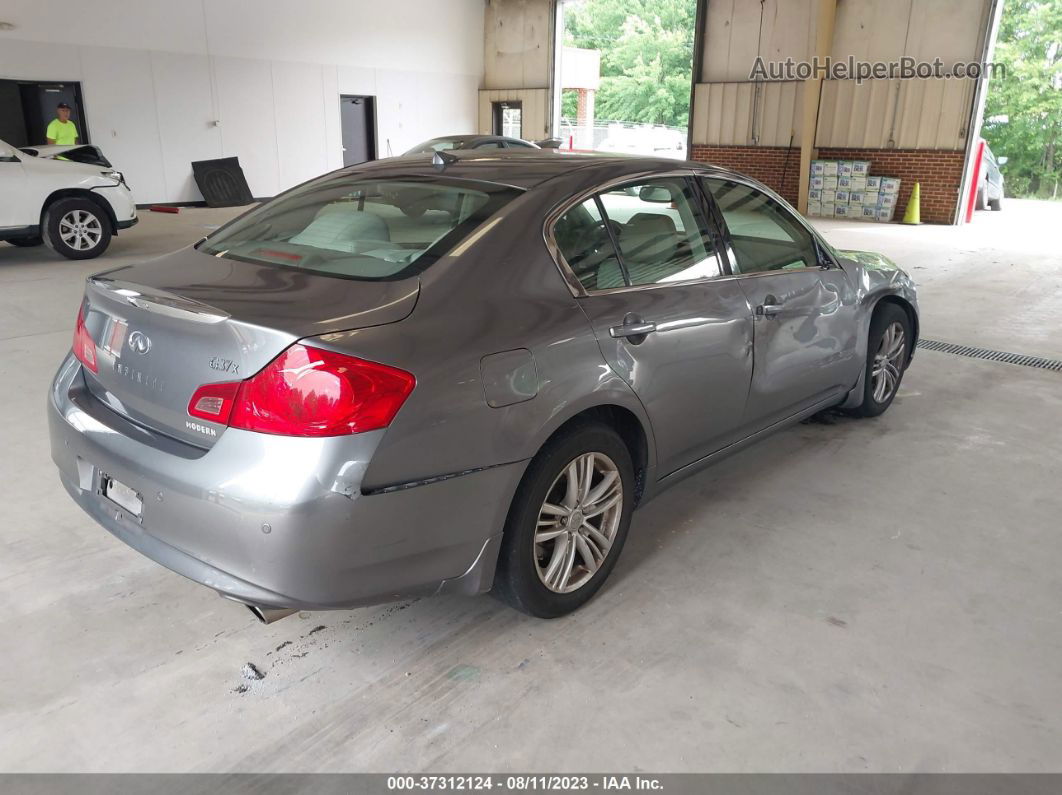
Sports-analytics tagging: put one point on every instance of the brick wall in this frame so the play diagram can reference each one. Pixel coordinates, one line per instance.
(938, 172)
(768, 164)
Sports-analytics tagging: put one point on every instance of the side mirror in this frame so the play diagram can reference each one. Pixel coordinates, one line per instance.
(7, 154)
(549, 143)
(656, 194)
(1002, 160)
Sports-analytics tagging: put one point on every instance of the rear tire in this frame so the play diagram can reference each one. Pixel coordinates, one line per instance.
(566, 528)
(76, 228)
(26, 242)
(888, 352)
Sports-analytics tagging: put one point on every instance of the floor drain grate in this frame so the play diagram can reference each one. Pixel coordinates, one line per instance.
(990, 355)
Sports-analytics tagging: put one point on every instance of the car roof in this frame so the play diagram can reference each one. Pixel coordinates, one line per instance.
(524, 169)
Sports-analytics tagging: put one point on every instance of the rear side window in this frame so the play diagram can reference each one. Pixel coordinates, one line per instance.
(358, 229)
(661, 235)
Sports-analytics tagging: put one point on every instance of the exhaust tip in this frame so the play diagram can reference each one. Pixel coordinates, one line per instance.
(267, 615)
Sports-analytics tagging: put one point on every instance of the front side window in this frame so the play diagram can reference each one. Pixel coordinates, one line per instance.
(765, 236)
(350, 227)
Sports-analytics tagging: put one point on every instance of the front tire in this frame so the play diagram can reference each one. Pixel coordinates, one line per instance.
(996, 204)
(76, 228)
(568, 522)
(888, 351)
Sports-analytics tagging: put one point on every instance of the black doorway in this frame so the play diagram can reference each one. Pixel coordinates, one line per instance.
(357, 116)
(508, 118)
(26, 108)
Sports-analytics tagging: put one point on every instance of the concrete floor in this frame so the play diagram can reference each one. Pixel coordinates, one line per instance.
(879, 595)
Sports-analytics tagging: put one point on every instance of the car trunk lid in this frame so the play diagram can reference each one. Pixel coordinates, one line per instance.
(165, 328)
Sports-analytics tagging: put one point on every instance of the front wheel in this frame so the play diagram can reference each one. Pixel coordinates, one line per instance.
(888, 351)
(568, 522)
(76, 228)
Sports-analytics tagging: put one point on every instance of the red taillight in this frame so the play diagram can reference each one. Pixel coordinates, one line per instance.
(307, 391)
(214, 401)
(84, 347)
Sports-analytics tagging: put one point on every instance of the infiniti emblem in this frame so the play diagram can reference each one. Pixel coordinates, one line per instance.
(139, 342)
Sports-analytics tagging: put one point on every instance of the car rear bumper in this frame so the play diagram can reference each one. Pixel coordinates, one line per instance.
(276, 521)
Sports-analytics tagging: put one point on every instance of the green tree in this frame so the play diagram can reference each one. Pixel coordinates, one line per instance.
(646, 56)
(1023, 110)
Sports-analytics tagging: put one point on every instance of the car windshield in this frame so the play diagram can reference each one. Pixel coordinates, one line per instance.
(355, 228)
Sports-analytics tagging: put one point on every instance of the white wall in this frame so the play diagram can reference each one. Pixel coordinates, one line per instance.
(156, 75)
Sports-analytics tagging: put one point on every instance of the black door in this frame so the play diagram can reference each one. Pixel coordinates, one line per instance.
(358, 118)
(38, 107)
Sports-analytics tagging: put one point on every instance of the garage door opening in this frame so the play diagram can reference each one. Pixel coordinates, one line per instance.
(624, 69)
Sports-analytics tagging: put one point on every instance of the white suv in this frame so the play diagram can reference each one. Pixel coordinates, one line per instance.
(73, 207)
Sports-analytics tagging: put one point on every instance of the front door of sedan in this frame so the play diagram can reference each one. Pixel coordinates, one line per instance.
(665, 319)
(805, 334)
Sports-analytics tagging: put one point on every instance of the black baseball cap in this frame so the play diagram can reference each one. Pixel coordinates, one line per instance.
(62, 105)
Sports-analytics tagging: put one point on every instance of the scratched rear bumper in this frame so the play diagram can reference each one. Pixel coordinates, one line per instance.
(276, 520)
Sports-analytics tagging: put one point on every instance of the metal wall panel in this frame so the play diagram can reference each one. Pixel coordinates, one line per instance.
(746, 114)
(900, 114)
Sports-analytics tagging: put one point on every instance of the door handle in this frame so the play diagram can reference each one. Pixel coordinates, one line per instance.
(639, 329)
(771, 306)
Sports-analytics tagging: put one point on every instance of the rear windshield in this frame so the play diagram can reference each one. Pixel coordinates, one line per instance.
(434, 145)
(354, 228)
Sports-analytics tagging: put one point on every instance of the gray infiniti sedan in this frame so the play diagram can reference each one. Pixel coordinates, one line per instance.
(457, 373)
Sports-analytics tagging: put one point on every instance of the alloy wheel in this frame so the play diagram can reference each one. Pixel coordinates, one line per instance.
(81, 230)
(578, 522)
(888, 362)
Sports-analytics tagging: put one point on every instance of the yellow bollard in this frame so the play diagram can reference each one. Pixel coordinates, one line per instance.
(911, 214)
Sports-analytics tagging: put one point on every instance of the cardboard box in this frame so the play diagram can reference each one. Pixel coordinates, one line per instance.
(855, 197)
(873, 183)
(827, 209)
(841, 196)
(829, 168)
(844, 168)
(860, 168)
(816, 183)
(814, 195)
(858, 183)
(870, 198)
(869, 213)
(890, 185)
(828, 196)
(815, 208)
(841, 211)
(844, 182)
(818, 168)
(829, 183)
(885, 213)
(887, 200)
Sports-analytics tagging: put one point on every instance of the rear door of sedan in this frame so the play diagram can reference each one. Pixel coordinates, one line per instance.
(644, 263)
(805, 308)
